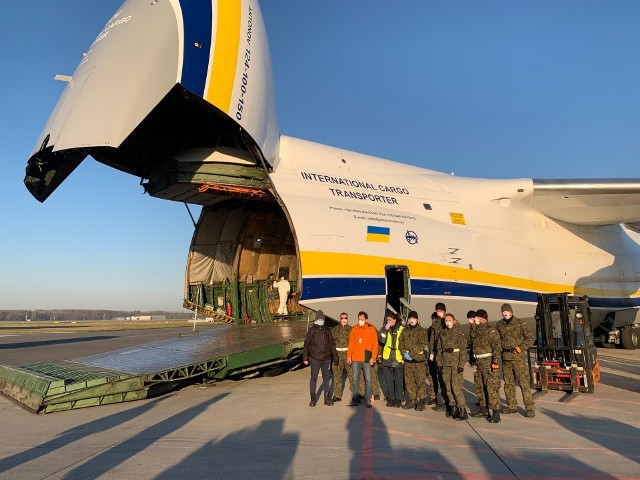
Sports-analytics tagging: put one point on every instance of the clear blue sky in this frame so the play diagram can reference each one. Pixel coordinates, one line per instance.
(542, 89)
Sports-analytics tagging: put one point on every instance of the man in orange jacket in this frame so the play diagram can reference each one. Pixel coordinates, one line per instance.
(362, 353)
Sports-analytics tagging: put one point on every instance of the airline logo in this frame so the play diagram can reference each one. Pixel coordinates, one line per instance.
(378, 234)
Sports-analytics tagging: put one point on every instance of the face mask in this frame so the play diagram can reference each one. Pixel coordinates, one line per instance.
(320, 323)
(344, 321)
(507, 315)
(361, 323)
(413, 322)
(449, 324)
(440, 314)
(478, 321)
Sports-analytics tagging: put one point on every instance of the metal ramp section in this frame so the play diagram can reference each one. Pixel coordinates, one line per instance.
(139, 372)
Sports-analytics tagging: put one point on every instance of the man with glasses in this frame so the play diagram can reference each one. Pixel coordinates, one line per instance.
(341, 334)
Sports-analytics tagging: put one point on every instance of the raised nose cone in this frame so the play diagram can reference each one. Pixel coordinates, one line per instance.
(163, 78)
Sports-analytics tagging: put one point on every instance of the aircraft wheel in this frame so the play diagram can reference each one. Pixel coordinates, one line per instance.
(605, 344)
(629, 338)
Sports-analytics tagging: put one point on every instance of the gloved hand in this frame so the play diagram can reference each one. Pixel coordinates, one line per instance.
(517, 349)
(495, 367)
(431, 357)
(406, 356)
(460, 369)
(440, 370)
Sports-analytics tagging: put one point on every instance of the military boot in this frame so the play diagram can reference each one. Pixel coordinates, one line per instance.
(313, 401)
(409, 404)
(461, 414)
(495, 418)
(483, 412)
(327, 400)
(449, 411)
(421, 405)
(508, 410)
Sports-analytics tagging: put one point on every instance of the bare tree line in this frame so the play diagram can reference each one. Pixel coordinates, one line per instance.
(83, 314)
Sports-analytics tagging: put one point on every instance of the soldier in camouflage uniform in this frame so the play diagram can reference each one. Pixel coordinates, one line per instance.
(477, 380)
(452, 355)
(487, 349)
(436, 384)
(341, 338)
(516, 338)
(413, 342)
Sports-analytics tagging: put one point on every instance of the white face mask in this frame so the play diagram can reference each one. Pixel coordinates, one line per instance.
(478, 322)
(507, 315)
(449, 324)
(320, 323)
(361, 323)
(440, 313)
(413, 322)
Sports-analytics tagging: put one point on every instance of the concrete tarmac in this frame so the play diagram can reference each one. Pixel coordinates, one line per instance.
(263, 428)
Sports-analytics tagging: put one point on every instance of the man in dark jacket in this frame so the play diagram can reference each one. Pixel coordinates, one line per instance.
(318, 351)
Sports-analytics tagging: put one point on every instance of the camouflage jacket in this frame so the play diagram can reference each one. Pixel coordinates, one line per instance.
(452, 348)
(486, 339)
(341, 336)
(432, 334)
(515, 334)
(414, 341)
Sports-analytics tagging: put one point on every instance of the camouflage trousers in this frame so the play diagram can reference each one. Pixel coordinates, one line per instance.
(477, 382)
(436, 384)
(375, 381)
(489, 384)
(415, 380)
(517, 371)
(338, 372)
(453, 383)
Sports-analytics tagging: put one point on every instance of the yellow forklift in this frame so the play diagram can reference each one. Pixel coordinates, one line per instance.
(564, 356)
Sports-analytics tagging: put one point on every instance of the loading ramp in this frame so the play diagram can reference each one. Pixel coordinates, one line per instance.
(143, 371)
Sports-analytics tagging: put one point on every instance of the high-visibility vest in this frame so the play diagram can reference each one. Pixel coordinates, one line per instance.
(386, 352)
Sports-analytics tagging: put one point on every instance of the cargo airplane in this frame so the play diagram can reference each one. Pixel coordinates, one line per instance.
(180, 94)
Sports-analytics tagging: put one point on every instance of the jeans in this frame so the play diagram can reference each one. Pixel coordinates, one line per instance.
(366, 368)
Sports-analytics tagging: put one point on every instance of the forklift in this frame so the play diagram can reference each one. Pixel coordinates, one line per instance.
(564, 356)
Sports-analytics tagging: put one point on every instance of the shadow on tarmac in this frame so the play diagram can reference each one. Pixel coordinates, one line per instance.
(46, 343)
(619, 381)
(65, 439)
(112, 457)
(269, 454)
(373, 456)
(615, 436)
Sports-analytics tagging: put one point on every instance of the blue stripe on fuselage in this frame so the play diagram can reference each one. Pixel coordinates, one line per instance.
(197, 30)
(319, 288)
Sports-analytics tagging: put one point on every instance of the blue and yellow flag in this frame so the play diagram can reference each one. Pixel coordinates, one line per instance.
(378, 234)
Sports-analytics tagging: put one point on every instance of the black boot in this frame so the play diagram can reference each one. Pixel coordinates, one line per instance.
(327, 400)
(495, 418)
(421, 405)
(313, 401)
(483, 412)
(449, 412)
(461, 414)
(409, 404)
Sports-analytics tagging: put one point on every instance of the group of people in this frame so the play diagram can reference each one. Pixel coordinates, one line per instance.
(411, 353)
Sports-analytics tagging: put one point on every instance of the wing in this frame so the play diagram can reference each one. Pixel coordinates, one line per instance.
(589, 201)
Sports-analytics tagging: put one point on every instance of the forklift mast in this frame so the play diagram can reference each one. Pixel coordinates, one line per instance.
(565, 356)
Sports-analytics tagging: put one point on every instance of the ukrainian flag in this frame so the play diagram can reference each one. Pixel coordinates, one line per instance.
(378, 234)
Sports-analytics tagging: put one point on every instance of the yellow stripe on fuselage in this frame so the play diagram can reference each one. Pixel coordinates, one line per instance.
(348, 264)
(225, 57)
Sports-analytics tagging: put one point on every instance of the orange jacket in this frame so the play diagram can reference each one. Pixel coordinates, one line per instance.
(361, 339)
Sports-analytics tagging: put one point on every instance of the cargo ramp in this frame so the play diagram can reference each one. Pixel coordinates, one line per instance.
(143, 371)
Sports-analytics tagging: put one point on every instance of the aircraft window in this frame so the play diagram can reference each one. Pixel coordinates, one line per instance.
(427, 206)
